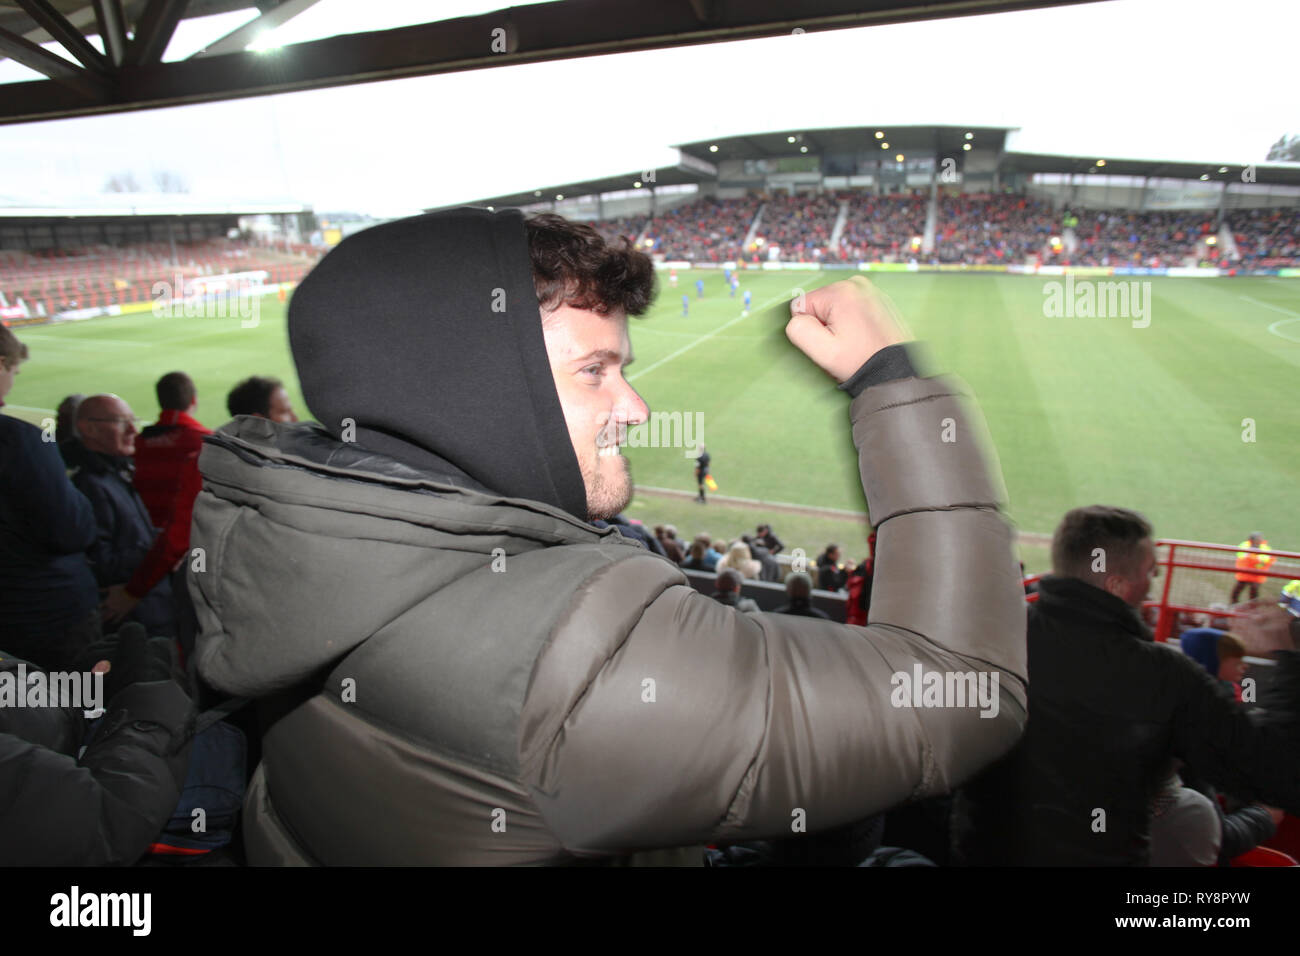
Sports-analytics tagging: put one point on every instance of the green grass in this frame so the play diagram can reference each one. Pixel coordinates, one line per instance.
(1080, 410)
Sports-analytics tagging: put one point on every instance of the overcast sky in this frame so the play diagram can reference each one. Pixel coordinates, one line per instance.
(1171, 79)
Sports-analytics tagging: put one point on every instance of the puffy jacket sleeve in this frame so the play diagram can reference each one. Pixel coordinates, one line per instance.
(658, 717)
(107, 807)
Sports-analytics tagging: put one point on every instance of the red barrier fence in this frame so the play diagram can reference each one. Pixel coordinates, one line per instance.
(1198, 574)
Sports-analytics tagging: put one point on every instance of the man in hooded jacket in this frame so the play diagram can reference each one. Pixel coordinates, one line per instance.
(458, 667)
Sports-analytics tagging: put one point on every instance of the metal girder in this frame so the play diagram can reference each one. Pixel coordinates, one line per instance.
(65, 33)
(236, 40)
(80, 19)
(112, 29)
(531, 34)
(69, 77)
(154, 31)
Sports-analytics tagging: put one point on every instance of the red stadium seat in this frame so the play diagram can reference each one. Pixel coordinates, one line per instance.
(1287, 837)
(1263, 856)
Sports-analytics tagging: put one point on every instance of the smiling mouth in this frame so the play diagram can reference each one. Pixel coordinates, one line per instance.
(608, 451)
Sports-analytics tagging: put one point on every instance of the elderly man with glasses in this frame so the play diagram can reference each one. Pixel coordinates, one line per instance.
(101, 459)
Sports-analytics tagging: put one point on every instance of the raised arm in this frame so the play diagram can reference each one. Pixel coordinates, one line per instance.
(688, 722)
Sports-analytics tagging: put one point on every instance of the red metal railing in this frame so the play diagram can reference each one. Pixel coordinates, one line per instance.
(1201, 584)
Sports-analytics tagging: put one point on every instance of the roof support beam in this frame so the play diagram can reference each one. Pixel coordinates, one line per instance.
(65, 33)
(529, 34)
(63, 72)
(154, 31)
(112, 29)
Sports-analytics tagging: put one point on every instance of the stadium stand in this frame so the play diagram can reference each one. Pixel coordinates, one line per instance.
(970, 229)
(59, 280)
(709, 230)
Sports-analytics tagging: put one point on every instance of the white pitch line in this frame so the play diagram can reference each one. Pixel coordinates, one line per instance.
(1295, 317)
(31, 408)
(87, 343)
(703, 338)
(1282, 335)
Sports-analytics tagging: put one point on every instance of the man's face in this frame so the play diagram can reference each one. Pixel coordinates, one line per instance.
(279, 409)
(110, 428)
(588, 353)
(1133, 588)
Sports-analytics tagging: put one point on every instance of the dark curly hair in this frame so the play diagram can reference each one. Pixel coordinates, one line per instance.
(573, 265)
(252, 396)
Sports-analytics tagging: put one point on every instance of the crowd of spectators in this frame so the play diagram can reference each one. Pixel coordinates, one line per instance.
(992, 229)
(754, 558)
(880, 228)
(95, 520)
(623, 227)
(705, 230)
(799, 226)
(1266, 238)
(1154, 239)
(972, 229)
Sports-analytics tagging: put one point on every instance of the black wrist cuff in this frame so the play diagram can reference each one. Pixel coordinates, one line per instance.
(890, 363)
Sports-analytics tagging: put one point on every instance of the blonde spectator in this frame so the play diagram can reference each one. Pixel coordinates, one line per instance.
(739, 559)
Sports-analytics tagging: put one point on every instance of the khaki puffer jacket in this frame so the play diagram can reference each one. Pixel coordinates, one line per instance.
(456, 678)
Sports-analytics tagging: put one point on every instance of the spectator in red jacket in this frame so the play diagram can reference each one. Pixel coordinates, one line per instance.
(168, 480)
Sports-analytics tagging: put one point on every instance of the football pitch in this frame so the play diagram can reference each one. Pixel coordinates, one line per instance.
(1193, 419)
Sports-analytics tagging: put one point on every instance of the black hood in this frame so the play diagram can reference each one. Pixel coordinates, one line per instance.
(426, 333)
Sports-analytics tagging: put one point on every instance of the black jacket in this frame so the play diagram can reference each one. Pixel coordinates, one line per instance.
(802, 607)
(105, 807)
(1243, 828)
(46, 525)
(126, 532)
(1108, 708)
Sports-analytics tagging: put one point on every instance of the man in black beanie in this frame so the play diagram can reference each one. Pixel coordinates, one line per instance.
(460, 667)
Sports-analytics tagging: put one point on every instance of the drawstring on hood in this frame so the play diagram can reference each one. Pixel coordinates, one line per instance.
(422, 340)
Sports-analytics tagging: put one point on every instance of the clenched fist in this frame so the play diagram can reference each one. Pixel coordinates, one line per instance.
(843, 324)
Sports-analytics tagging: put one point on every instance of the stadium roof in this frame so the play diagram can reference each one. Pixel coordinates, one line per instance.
(844, 139)
(1277, 174)
(697, 163)
(688, 169)
(150, 205)
(130, 74)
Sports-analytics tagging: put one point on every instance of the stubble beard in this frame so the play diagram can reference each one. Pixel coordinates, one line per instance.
(607, 497)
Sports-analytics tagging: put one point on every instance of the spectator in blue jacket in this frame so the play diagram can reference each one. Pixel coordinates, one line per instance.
(47, 601)
(1244, 825)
